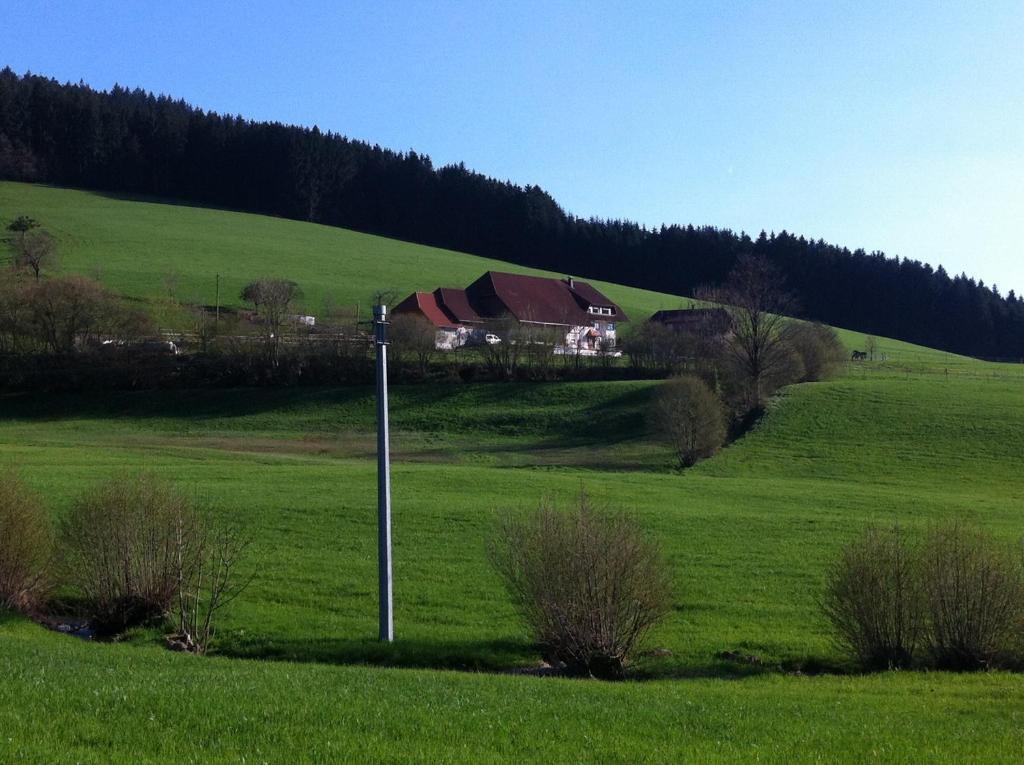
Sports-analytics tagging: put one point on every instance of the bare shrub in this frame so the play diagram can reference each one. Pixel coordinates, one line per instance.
(15, 320)
(123, 551)
(590, 585)
(818, 347)
(72, 310)
(689, 416)
(871, 346)
(273, 300)
(974, 596)
(26, 546)
(35, 250)
(539, 344)
(66, 310)
(503, 357)
(873, 599)
(757, 300)
(654, 347)
(208, 580)
(413, 338)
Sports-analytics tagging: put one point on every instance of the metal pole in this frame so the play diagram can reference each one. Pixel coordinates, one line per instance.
(216, 319)
(387, 625)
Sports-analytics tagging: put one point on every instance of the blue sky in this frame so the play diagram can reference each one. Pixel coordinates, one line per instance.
(892, 126)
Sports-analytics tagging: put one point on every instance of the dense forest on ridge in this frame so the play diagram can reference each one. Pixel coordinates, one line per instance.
(132, 142)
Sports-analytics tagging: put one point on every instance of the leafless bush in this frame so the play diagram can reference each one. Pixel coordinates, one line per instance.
(974, 597)
(757, 301)
(818, 347)
(26, 546)
(413, 339)
(70, 311)
(503, 357)
(15, 319)
(873, 599)
(589, 584)
(654, 347)
(273, 300)
(689, 416)
(66, 310)
(34, 250)
(208, 580)
(539, 343)
(123, 550)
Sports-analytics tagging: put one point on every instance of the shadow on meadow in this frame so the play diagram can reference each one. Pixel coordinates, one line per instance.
(553, 410)
(413, 653)
(512, 656)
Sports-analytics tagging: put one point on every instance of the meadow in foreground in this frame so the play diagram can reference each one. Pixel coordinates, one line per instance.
(922, 437)
(747, 533)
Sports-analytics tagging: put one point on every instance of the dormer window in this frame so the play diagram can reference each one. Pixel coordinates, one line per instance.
(600, 310)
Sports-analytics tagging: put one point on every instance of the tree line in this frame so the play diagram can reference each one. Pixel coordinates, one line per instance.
(131, 141)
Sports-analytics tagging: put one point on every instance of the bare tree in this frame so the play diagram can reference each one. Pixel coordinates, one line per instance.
(538, 343)
(653, 347)
(502, 350)
(384, 297)
(204, 325)
(170, 283)
(870, 346)
(67, 310)
(413, 337)
(253, 293)
(35, 250)
(757, 302)
(15, 321)
(273, 300)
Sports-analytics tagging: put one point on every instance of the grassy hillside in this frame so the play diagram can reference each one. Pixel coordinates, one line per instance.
(748, 534)
(921, 437)
(132, 246)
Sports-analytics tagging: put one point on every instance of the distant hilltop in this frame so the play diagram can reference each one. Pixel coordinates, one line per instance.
(131, 141)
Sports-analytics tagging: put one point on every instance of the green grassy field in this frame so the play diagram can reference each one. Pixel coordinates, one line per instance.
(299, 676)
(132, 246)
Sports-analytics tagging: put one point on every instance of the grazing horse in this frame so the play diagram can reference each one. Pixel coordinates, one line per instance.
(858, 356)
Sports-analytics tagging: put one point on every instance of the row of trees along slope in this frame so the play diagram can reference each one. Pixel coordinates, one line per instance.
(131, 141)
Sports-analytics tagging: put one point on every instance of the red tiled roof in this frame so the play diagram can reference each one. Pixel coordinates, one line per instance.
(456, 305)
(538, 299)
(426, 303)
(526, 298)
